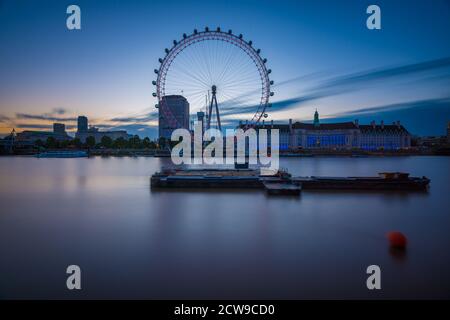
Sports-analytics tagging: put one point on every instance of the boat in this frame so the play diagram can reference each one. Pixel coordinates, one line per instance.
(63, 154)
(385, 181)
(283, 182)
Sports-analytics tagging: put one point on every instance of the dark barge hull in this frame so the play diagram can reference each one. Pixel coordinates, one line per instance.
(205, 182)
(362, 183)
(246, 181)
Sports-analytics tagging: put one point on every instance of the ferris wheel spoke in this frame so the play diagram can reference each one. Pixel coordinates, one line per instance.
(180, 79)
(194, 63)
(208, 62)
(192, 76)
(238, 70)
(230, 68)
(236, 75)
(216, 65)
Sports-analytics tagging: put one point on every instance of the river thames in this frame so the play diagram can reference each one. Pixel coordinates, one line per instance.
(99, 213)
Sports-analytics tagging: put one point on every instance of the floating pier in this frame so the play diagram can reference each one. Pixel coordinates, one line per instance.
(283, 183)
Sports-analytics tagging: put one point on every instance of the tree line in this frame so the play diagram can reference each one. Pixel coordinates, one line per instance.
(135, 142)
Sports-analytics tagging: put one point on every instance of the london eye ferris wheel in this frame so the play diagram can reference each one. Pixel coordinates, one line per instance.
(218, 72)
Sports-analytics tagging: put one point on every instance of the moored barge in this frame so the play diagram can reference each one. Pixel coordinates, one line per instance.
(362, 183)
(283, 182)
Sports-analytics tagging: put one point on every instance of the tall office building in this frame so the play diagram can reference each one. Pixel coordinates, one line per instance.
(173, 114)
(82, 124)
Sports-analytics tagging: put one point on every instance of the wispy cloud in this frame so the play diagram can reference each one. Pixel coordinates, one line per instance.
(430, 104)
(348, 83)
(137, 119)
(369, 76)
(44, 117)
(59, 111)
(422, 117)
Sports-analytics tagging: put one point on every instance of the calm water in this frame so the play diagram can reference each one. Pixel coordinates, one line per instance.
(130, 242)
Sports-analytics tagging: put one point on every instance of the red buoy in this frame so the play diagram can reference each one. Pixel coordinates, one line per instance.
(397, 239)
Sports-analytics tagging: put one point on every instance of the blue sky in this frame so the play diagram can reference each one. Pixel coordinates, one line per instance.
(321, 53)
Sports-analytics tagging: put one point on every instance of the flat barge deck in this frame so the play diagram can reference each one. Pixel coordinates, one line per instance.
(282, 183)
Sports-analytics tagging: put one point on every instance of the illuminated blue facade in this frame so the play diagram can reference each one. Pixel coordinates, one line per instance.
(344, 135)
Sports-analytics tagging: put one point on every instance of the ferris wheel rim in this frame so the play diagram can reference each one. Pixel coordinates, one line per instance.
(236, 40)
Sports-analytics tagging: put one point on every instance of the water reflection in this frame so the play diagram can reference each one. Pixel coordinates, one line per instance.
(134, 242)
(399, 255)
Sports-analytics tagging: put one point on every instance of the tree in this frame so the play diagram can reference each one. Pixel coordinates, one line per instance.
(39, 143)
(134, 142)
(51, 143)
(76, 142)
(162, 142)
(64, 144)
(90, 141)
(146, 142)
(119, 143)
(107, 142)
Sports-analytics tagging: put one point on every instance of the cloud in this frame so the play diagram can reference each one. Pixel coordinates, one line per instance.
(59, 111)
(143, 130)
(429, 103)
(4, 118)
(343, 84)
(44, 117)
(137, 119)
(367, 76)
(421, 117)
(39, 126)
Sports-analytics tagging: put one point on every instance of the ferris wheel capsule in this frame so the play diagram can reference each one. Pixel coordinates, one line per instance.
(156, 71)
(160, 60)
(250, 43)
(175, 42)
(195, 31)
(271, 94)
(206, 29)
(265, 115)
(258, 51)
(166, 50)
(241, 36)
(218, 29)
(271, 82)
(230, 31)
(154, 94)
(154, 82)
(264, 60)
(269, 71)
(184, 36)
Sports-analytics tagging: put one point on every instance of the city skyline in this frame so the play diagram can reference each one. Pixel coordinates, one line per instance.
(322, 56)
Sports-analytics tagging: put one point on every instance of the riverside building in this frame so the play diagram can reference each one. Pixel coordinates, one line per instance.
(340, 135)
